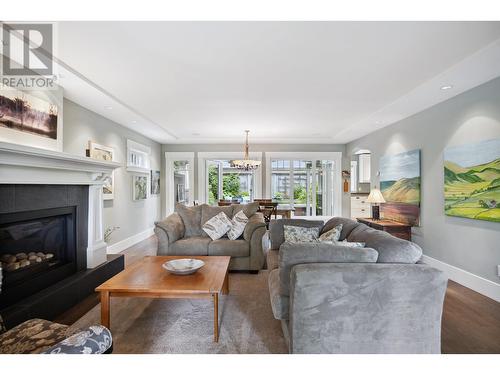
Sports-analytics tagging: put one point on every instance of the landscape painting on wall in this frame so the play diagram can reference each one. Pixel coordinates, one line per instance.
(400, 186)
(472, 180)
(27, 113)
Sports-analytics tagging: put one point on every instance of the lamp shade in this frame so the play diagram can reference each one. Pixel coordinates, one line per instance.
(375, 196)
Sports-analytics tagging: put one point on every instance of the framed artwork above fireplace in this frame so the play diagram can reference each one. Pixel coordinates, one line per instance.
(32, 118)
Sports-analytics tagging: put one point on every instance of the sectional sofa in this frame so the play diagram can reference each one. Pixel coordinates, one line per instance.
(337, 299)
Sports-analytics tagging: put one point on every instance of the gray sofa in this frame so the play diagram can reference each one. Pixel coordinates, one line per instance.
(181, 234)
(336, 299)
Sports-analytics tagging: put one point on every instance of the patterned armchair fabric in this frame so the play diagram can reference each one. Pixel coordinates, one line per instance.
(94, 340)
(32, 337)
(41, 336)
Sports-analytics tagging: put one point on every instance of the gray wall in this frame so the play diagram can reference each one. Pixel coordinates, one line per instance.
(133, 217)
(253, 148)
(471, 245)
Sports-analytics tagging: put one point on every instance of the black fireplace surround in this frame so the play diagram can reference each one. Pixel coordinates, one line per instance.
(43, 249)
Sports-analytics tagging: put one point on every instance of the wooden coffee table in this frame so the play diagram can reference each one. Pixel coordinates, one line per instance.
(147, 278)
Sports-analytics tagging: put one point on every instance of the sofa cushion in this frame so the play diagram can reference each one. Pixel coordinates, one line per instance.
(347, 226)
(295, 234)
(217, 226)
(318, 252)
(249, 209)
(272, 259)
(208, 212)
(190, 246)
(191, 217)
(390, 249)
(224, 246)
(238, 224)
(279, 303)
(276, 234)
(32, 336)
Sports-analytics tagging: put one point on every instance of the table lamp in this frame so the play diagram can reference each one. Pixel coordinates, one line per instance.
(375, 198)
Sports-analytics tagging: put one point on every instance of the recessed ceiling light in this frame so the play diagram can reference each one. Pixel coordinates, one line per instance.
(134, 122)
(108, 107)
(446, 87)
(378, 122)
(195, 134)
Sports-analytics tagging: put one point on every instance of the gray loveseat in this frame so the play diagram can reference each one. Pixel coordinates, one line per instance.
(181, 234)
(335, 299)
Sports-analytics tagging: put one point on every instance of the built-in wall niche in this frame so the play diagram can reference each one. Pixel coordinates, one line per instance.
(138, 157)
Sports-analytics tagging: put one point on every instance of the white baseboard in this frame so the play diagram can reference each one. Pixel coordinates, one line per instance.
(130, 241)
(477, 283)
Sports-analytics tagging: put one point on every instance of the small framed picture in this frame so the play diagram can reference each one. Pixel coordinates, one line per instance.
(105, 153)
(140, 187)
(155, 182)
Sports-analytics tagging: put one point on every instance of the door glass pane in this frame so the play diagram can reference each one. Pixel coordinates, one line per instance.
(228, 183)
(302, 192)
(280, 182)
(213, 182)
(324, 188)
(182, 189)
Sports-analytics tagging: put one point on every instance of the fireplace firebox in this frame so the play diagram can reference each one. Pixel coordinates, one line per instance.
(37, 249)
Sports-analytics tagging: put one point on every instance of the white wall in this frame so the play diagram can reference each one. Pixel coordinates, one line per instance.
(133, 217)
(471, 245)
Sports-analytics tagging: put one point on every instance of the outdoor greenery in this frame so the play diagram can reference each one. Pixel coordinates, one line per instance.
(230, 185)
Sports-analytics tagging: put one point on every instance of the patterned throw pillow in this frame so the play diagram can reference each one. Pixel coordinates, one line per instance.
(332, 235)
(238, 225)
(217, 226)
(295, 234)
(349, 244)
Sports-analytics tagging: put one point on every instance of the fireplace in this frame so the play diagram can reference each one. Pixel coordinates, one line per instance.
(37, 249)
(51, 231)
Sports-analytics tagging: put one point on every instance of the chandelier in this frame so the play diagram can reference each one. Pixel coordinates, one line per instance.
(246, 164)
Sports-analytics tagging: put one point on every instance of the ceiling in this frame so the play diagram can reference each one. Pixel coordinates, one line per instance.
(287, 82)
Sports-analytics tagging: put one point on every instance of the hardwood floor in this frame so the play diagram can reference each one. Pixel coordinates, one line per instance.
(471, 321)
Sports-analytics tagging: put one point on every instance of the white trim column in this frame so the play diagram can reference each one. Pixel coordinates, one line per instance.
(96, 247)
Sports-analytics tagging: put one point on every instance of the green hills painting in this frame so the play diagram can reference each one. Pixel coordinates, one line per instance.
(400, 186)
(472, 180)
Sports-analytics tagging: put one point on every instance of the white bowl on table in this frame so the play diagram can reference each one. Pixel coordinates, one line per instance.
(183, 266)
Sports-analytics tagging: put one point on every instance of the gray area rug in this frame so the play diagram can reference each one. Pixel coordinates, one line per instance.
(247, 325)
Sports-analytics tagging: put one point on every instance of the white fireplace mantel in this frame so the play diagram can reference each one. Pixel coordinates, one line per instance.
(29, 165)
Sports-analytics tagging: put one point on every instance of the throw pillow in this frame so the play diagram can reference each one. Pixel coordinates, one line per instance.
(295, 234)
(191, 217)
(217, 226)
(238, 225)
(332, 235)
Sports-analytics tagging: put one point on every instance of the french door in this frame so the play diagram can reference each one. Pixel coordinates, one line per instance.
(309, 186)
